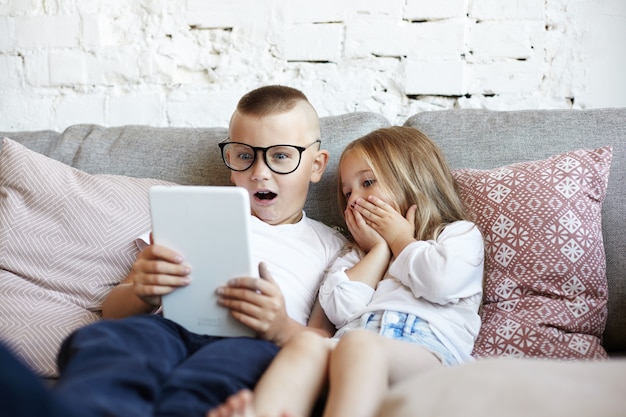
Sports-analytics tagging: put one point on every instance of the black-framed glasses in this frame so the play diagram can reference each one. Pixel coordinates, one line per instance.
(281, 159)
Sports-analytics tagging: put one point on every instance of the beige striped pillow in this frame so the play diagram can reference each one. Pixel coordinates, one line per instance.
(66, 238)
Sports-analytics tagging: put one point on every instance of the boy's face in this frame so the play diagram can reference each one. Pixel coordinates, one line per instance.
(279, 198)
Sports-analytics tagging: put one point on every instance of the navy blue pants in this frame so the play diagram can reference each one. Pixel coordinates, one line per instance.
(23, 394)
(149, 366)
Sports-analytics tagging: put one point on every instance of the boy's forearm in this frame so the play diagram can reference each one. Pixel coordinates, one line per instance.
(122, 302)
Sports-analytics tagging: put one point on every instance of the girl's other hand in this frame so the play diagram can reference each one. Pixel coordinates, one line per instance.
(362, 233)
(397, 230)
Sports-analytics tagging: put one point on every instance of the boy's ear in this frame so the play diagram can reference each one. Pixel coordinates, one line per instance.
(319, 165)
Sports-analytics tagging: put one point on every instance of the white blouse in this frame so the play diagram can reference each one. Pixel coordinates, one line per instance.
(440, 281)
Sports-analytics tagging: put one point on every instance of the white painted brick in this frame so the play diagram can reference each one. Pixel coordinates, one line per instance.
(16, 6)
(319, 11)
(508, 9)
(14, 111)
(136, 108)
(113, 66)
(74, 108)
(25, 111)
(155, 68)
(564, 67)
(6, 33)
(186, 76)
(381, 37)
(150, 64)
(505, 77)
(125, 29)
(11, 71)
(67, 67)
(387, 8)
(439, 40)
(555, 12)
(187, 107)
(184, 49)
(597, 86)
(111, 7)
(372, 86)
(226, 14)
(440, 9)
(443, 77)
(510, 39)
(47, 31)
(90, 34)
(337, 89)
(36, 68)
(313, 42)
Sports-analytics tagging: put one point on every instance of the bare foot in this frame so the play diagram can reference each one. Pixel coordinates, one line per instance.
(237, 405)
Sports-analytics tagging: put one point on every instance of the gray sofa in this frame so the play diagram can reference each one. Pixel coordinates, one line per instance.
(476, 139)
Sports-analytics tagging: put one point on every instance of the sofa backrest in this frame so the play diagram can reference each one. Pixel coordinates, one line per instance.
(188, 156)
(484, 139)
(478, 139)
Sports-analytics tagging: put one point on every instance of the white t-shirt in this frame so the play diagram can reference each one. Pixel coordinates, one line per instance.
(297, 256)
(439, 281)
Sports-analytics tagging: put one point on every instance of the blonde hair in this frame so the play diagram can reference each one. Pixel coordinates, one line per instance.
(412, 170)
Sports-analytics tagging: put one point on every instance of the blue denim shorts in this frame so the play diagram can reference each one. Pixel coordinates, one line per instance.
(407, 328)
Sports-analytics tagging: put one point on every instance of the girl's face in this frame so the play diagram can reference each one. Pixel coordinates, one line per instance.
(358, 180)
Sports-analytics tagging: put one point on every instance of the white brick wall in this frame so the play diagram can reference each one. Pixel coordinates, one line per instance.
(187, 62)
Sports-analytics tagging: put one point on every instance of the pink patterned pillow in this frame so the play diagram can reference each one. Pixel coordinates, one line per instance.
(545, 272)
(66, 238)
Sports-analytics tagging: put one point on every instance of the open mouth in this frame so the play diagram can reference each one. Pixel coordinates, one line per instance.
(265, 195)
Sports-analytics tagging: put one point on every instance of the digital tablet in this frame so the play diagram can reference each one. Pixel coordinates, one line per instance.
(210, 227)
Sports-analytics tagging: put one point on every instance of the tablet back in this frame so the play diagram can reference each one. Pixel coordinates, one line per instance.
(210, 227)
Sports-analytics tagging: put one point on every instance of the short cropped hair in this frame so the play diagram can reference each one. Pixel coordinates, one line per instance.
(270, 99)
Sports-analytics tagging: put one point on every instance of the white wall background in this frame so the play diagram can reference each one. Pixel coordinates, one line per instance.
(187, 62)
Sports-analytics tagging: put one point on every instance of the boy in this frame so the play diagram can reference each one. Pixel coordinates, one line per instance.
(147, 365)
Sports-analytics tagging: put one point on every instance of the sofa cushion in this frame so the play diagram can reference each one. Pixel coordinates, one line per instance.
(545, 270)
(66, 237)
(514, 388)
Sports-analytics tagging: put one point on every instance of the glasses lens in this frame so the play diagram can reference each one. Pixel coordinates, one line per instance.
(238, 156)
(282, 158)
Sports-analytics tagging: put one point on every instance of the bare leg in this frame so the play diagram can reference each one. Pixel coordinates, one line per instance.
(290, 385)
(364, 365)
(295, 378)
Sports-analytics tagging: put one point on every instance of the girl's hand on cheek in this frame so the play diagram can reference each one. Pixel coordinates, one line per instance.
(383, 218)
(363, 234)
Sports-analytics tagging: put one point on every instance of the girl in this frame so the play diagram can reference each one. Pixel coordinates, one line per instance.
(405, 300)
